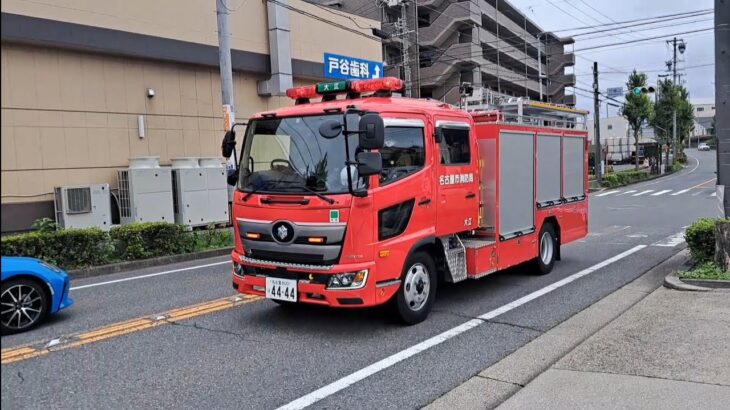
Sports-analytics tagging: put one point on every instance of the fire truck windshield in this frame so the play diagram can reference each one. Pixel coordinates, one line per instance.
(288, 155)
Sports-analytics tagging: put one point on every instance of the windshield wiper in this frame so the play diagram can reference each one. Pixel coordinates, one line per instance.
(319, 195)
(258, 188)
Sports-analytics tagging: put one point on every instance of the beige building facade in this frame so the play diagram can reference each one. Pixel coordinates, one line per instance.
(76, 77)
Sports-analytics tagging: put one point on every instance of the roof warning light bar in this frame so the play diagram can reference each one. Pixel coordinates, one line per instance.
(328, 91)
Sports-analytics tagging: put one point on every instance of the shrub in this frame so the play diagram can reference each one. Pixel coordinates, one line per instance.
(615, 179)
(213, 238)
(610, 180)
(78, 248)
(150, 239)
(700, 237)
(45, 225)
(70, 248)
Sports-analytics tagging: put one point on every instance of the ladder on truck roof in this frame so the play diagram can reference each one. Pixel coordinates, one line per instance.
(524, 111)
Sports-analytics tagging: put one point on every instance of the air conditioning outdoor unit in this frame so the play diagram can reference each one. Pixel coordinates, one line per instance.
(200, 193)
(145, 192)
(86, 206)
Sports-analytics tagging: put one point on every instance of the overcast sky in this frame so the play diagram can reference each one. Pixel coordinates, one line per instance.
(646, 56)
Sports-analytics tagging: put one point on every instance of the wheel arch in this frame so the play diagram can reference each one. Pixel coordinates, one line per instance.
(431, 246)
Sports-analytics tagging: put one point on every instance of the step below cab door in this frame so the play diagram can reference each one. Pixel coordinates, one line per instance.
(457, 179)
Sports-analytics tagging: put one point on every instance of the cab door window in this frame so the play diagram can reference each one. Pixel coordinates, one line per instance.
(403, 153)
(454, 146)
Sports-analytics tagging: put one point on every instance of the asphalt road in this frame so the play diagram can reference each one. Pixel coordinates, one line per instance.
(259, 355)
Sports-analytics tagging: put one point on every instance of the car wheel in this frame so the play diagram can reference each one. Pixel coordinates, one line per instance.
(24, 305)
(547, 250)
(417, 291)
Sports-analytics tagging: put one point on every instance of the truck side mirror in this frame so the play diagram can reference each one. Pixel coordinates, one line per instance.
(369, 163)
(371, 132)
(330, 129)
(229, 143)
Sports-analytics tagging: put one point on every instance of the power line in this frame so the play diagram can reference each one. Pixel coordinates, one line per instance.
(323, 20)
(643, 39)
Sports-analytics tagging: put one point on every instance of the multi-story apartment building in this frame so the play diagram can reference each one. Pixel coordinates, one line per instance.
(488, 43)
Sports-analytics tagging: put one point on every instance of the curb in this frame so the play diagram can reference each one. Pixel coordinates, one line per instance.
(497, 383)
(144, 263)
(672, 281)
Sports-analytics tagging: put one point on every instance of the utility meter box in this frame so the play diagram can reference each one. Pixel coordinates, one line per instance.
(145, 192)
(84, 206)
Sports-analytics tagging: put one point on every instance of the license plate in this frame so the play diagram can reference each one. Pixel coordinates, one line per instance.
(281, 289)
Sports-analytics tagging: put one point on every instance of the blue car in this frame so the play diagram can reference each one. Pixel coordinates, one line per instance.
(31, 290)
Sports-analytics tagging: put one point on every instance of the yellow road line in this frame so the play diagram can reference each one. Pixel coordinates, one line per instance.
(703, 183)
(16, 354)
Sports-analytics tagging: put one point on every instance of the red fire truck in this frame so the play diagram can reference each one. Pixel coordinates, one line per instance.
(365, 198)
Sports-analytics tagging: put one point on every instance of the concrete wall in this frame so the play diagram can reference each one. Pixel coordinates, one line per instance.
(75, 76)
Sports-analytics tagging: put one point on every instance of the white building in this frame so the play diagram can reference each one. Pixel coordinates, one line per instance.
(704, 111)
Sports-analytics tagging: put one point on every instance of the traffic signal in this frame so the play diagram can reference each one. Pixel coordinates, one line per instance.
(644, 90)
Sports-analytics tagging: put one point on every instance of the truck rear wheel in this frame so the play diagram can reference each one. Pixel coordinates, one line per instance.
(417, 291)
(547, 250)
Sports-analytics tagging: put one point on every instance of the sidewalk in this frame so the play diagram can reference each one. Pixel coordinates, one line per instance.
(638, 348)
(670, 351)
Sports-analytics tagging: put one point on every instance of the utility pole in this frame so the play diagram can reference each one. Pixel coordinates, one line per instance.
(597, 163)
(224, 56)
(722, 102)
(405, 46)
(676, 45)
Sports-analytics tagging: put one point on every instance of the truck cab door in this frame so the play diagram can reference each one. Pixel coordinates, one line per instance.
(457, 179)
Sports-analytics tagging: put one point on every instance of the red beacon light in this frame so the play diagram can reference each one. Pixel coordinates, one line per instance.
(302, 93)
(375, 85)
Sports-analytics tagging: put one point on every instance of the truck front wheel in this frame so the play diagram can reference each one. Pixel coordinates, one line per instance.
(417, 291)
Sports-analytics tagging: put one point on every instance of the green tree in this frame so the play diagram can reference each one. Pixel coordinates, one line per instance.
(637, 108)
(672, 98)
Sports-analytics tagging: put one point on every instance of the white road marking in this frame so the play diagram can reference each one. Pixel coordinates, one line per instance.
(697, 193)
(671, 241)
(53, 342)
(396, 358)
(149, 275)
(661, 192)
(631, 191)
(714, 193)
(643, 192)
(681, 192)
(607, 193)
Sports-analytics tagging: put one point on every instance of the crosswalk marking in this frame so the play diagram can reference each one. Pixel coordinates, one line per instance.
(651, 192)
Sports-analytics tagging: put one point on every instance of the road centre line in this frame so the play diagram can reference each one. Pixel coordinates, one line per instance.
(149, 275)
(703, 183)
(643, 192)
(389, 361)
(681, 192)
(34, 349)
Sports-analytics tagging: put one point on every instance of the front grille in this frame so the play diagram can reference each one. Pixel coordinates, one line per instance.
(286, 274)
(306, 259)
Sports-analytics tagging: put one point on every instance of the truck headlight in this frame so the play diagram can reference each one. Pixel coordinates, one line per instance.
(349, 280)
(237, 269)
